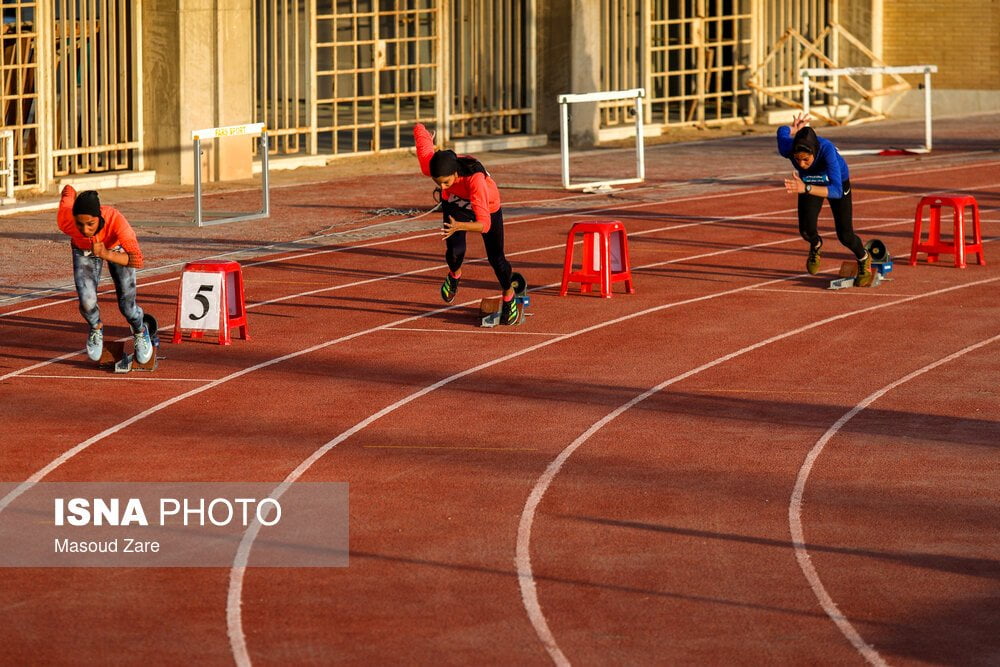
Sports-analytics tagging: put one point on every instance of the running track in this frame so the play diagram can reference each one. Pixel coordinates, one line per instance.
(731, 464)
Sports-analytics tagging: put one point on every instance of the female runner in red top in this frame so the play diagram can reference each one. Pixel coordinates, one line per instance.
(470, 202)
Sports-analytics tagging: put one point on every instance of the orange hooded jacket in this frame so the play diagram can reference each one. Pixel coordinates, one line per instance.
(116, 231)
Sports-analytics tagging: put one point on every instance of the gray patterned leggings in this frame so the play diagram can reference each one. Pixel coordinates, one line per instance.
(87, 274)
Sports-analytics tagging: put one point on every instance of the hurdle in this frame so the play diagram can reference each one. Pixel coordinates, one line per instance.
(251, 130)
(810, 73)
(640, 165)
(7, 136)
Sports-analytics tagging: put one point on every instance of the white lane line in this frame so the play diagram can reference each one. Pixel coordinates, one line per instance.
(453, 448)
(529, 593)
(441, 267)
(117, 377)
(406, 237)
(70, 453)
(529, 596)
(234, 619)
(358, 283)
(73, 451)
(313, 253)
(515, 221)
(814, 292)
(795, 504)
(505, 331)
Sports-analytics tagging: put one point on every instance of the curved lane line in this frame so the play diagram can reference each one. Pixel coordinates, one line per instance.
(234, 619)
(529, 594)
(70, 355)
(68, 454)
(795, 505)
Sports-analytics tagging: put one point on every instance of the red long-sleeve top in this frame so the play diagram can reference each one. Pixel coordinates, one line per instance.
(478, 189)
(116, 231)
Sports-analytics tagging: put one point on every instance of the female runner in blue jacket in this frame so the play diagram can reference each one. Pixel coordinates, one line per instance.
(821, 173)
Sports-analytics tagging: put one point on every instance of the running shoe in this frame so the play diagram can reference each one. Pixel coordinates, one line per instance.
(812, 263)
(865, 275)
(95, 343)
(449, 288)
(510, 312)
(143, 346)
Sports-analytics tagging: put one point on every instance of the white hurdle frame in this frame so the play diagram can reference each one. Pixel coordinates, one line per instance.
(250, 130)
(640, 163)
(7, 136)
(926, 70)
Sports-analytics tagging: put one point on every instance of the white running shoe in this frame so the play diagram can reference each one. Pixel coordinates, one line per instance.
(95, 343)
(143, 346)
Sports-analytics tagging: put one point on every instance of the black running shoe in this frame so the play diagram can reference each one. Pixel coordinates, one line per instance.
(449, 288)
(510, 312)
(812, 263)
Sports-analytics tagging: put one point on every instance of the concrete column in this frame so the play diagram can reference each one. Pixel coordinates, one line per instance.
(198, 73)
(585, 77)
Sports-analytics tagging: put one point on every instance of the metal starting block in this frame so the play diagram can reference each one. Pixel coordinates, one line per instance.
(848, 271)
(114, 355)
(489, 308)
(128, 363)
(113, 352)
(881, 265)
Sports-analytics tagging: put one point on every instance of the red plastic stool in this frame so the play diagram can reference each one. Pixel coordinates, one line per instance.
(603, 261)
(933, 247)
(229, 300)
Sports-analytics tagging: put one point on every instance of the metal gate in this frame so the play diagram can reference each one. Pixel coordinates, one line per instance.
(623, 55)
(346, 76)
(700, 53)
(19, 96)
(492, 68)
(691, 56)
(781, 58)
(283, 86)
(96, 87)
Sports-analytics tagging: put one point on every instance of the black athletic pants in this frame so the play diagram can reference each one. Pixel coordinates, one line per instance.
(843, 219)
(493, 240)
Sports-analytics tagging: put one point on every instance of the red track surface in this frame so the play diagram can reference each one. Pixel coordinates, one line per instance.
(612, 482)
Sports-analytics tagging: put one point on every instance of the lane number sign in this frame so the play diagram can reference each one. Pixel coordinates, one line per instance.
(201, 296)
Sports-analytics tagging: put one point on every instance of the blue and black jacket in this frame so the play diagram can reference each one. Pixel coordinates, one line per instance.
(828, 169)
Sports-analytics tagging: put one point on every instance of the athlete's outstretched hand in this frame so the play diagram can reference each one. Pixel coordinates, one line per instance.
(794, 185)
(800, 121)
(450, 227)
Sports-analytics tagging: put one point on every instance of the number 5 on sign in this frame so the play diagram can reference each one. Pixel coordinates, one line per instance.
(201, 296)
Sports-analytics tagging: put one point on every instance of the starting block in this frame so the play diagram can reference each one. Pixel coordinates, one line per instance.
(490, 307)
(881, 259)
(848, 271)
(489, 310)
(881, 265)
(113, 353)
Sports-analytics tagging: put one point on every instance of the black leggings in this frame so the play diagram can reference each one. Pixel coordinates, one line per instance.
(843, 219)
(493, 240)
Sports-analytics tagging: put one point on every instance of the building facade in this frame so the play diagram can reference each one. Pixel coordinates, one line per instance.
(114, 88)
